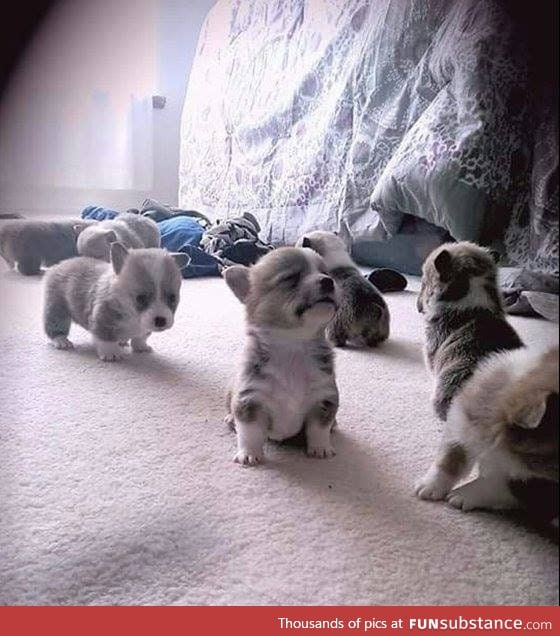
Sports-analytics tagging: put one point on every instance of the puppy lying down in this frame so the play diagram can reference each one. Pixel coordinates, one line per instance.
(128, 299)
(27, 245)
(286, 380)
(362, 315)
(132, 230)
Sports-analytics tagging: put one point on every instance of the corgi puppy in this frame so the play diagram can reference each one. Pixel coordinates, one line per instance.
(464, 316)
(132, 230)
(27, 245)
(362, 315)
(286, 382)
(128, 299)
(504, 420)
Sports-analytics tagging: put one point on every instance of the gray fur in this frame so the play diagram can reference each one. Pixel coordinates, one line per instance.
(132, 230)
(286, 382)
(465, 321)
(28, 244)
(114, 303)
(362, 315)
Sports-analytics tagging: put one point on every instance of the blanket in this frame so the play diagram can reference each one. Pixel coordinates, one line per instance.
(311, 114)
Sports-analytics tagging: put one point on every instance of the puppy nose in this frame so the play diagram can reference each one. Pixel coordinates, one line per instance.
(327, 284)
(160, 322)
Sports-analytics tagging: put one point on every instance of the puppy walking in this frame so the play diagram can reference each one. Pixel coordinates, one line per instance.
(362, 315)
(286, 382)
(495, 396)
(128, 299)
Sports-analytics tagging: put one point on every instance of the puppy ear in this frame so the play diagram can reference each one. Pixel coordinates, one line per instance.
(237, 279)
(181, 259)
(345, 234)
(118, 252)
(444, 266)
(530, 416)
(305, 242)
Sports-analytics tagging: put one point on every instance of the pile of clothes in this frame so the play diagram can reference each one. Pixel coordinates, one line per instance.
(211, 246)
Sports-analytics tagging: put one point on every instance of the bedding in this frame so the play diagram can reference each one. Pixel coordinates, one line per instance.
(366, 113)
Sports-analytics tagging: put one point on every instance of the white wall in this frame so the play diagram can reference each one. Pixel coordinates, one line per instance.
(76, 124)
(178, 28)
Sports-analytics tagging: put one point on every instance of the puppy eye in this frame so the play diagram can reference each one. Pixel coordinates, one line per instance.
(171, 299)
(291, 280)
(142, 301)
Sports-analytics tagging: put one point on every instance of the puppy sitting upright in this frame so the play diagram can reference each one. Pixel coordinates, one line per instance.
(363, 315)
(286, 382)
(464, 315)
(137, 293)
(465, 324)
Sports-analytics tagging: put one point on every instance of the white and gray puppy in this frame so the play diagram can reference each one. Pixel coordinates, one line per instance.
(504, 419)
(286, 383)
(28, 244)
(134, 295)
(132, 230)
(363, 315)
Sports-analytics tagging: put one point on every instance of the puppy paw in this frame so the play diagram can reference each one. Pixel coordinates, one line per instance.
(143, 348)
(248, 458)
(110, 357)
(482, 493)
(431, 488)
(321, 452)
(139, 345)
(62, 343)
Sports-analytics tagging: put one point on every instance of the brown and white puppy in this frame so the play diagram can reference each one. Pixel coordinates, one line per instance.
(286, 381)
(362, 315)
(504, 419)
(464, 316)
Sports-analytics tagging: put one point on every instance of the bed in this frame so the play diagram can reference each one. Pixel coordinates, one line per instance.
(378, 117)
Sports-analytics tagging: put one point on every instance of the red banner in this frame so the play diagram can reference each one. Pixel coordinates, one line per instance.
(281, 621)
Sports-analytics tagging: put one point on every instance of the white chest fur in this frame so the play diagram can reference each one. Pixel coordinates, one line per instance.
(292, 384)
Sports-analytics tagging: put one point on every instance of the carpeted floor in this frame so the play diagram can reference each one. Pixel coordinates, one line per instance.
(117, 484)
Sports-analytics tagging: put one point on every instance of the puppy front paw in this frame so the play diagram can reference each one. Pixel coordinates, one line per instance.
(62, 343)
(141, 348)
(109, 351)
(431, 487)
(110, 357)
(321, 452)
(248, 458)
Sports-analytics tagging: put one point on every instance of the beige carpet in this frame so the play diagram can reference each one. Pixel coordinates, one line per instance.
(117, 484)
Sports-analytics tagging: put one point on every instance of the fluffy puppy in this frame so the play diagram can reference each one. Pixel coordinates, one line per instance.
(363, 315)
(28, 244)
(134, 295)
(464, 317)
(504, 419)
(286, 383)
(132, 230)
